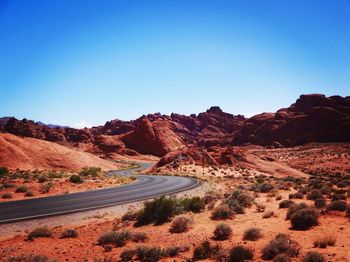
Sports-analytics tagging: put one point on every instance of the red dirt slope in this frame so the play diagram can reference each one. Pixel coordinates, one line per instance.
(31, 153)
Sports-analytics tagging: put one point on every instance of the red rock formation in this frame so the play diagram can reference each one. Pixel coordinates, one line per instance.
(155, 138)
(312, 118)
(190, 155)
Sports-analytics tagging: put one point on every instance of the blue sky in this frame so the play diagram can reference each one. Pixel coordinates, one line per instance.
(77, 62)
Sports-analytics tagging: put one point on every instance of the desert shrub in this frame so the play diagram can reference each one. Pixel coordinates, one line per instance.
(76, 179)
(337, 206)
(240, 253)
(29, 193)
(139, 237)
(7, 195)
(209, 198)
(21, 189)
(265, 187)
(252, 234)
(130, 216)
(4, 171)
(336, 197)
(282, 258)
(90, 171)
(320, 203)
(30, 258)
(42, 231)
(314, 194)
(323, 242)
(268, 214)
(42, 179)
(221, 212)
(297, 195)
(45, 188)
(222, 232)
(145, 253)
(285, 203)
(204, 251)
(238, 200)
(158, 211)
(171, 251)
(293, 208)
(117, 238)
(6, 184)
(304, 218)
(127, 255)
(342, 184)
(194, 204)
(314, 257)
(69, 233)
(180, 224)
(281, 244)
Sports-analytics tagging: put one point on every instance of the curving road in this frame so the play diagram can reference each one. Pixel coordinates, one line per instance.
(145, 187)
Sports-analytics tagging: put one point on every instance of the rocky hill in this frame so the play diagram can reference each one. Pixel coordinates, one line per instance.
(312, 118)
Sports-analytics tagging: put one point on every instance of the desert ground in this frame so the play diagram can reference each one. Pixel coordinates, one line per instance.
(250, 194)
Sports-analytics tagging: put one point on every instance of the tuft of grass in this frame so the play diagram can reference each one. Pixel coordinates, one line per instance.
(304, 219)
(314, 257)
(76, 179)
(42, 231)
(240, 253)
(29, 193)
(221, 212)
(117, 238)
(222, 232)
(338, 205)
(204, 251)
(69, 233)
(252, 234)
(21, 189)
(279, 245)
(180, 224)
(323, 242)
(139, 237)
(7, 195)
(145, 253)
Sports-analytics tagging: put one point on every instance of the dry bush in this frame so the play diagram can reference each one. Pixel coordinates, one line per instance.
(314, 257)
(69, 233)
(139, 237)
(221, 212)
(42, 231)
(180, 224)
(293, 208)
(282, 258)
(304, 218)
(281, 244)
(252, 234)
(240, 253)
(285, 203)
(337, 206)
(323, 242)
(117, 238)
(222, 232)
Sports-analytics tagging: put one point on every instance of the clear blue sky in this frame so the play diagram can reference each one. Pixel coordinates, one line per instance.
(67, 61)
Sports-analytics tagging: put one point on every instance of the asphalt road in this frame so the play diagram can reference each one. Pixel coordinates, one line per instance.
(145, 187)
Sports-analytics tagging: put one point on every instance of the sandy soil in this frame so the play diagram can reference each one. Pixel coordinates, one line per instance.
(84, 248)
(58, 186)
(220, 180)
(30, 153)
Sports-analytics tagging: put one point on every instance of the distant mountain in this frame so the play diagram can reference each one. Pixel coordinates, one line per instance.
(51, 125)
(312, 118)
